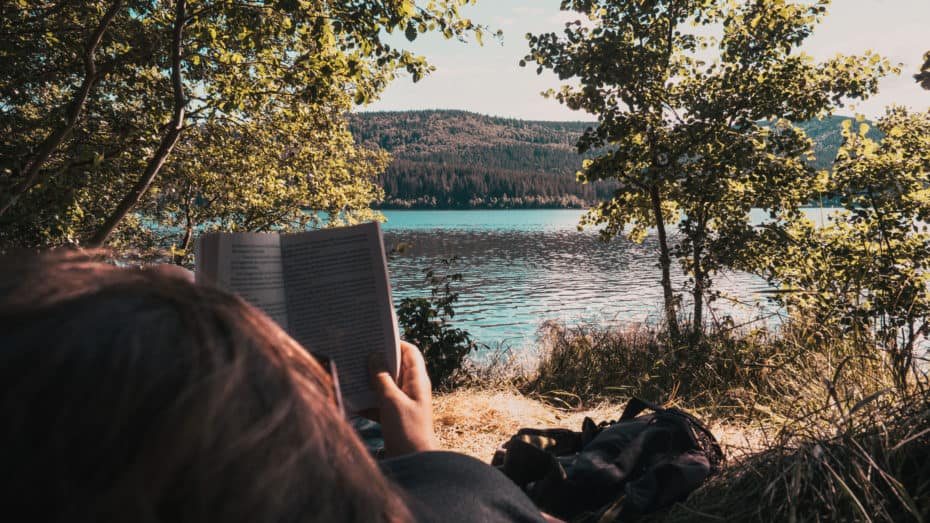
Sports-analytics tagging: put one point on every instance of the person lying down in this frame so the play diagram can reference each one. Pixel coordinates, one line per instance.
(136, 395)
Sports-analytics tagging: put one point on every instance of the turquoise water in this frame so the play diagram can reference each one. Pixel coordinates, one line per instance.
(517, 220)
(523, 267)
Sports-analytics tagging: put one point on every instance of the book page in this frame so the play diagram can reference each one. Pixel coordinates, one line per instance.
(247, 264)
(339, 302)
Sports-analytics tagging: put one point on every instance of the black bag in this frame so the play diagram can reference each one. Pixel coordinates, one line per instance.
(613, 470)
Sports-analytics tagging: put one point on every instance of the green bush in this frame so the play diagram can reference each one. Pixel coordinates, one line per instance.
(867, 270)
(425, 323)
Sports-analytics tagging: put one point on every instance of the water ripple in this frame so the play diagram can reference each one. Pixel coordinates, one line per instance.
(516, 278)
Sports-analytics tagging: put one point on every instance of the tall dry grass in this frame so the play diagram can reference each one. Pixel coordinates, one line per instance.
(870, 464)
(832, 436)
(728, 373)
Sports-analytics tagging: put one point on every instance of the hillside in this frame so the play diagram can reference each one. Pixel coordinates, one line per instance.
(457, 159)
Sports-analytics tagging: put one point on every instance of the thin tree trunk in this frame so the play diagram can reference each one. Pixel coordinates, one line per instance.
(665, 262)
(185, 244)
(697, 326)
(30, 171)
(698, 236)
(188, 228)
(906, 357)
(168, 141)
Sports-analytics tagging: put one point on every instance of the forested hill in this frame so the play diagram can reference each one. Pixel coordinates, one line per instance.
(457, 159)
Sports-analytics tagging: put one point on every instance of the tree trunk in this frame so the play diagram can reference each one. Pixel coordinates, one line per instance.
(30, 171)
(185, 244)
(697, 326)
(905, 358)
(167, 142)
(665, 262)
(188, 225)
(698, 235)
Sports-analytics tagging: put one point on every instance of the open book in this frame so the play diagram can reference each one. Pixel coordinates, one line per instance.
(327, 288)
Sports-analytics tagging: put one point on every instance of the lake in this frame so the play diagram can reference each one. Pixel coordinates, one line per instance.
(523, 267)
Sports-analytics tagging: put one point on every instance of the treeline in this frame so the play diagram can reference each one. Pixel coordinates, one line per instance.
(462, 160)
(427, 185)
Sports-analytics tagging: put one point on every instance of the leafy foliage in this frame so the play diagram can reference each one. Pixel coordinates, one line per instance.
(697, 125)
(96, 96)
(923, 77)
(425, 323)
(867, 271)
(284, 176)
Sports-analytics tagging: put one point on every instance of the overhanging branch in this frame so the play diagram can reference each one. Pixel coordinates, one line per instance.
(168, 141)
(29, 172)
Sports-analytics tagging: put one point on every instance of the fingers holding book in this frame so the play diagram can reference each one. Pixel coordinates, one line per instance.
(405, 406)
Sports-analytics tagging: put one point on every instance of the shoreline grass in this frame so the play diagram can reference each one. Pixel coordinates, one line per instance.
(813, 426)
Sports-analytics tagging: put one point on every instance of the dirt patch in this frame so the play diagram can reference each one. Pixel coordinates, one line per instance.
(476, 422)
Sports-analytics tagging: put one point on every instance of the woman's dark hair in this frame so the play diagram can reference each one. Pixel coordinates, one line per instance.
(134, 395)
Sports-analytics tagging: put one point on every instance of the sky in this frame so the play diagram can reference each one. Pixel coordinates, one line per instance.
(488, 80)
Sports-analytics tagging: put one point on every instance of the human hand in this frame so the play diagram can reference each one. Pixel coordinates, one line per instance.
(406, 408)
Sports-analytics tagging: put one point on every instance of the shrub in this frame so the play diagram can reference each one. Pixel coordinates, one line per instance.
(425, 323)
(867, 270)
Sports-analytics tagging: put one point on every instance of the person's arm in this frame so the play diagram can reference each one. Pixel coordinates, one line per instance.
(405, 407)
(442, 486)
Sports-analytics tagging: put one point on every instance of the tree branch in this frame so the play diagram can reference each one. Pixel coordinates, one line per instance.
(30, 171)
(168, 141)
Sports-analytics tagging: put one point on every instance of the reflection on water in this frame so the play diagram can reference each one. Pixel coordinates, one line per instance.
(521, 268)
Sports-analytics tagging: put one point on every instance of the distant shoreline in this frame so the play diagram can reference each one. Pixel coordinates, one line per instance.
(828, 204)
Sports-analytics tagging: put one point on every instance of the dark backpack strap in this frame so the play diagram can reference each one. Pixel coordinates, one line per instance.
(636, 406)
(589, 431)
(525, 463)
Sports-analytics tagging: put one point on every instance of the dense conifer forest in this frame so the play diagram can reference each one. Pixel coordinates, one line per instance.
(461, 160)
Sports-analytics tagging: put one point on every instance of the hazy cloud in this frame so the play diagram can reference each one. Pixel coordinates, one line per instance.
(526, 10)
(563, 17)
(503, 21)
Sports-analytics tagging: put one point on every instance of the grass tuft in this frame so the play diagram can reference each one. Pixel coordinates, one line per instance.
(874, 468)
(814, 425)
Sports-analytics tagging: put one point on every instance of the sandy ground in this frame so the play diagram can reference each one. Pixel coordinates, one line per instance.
(477, 422)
